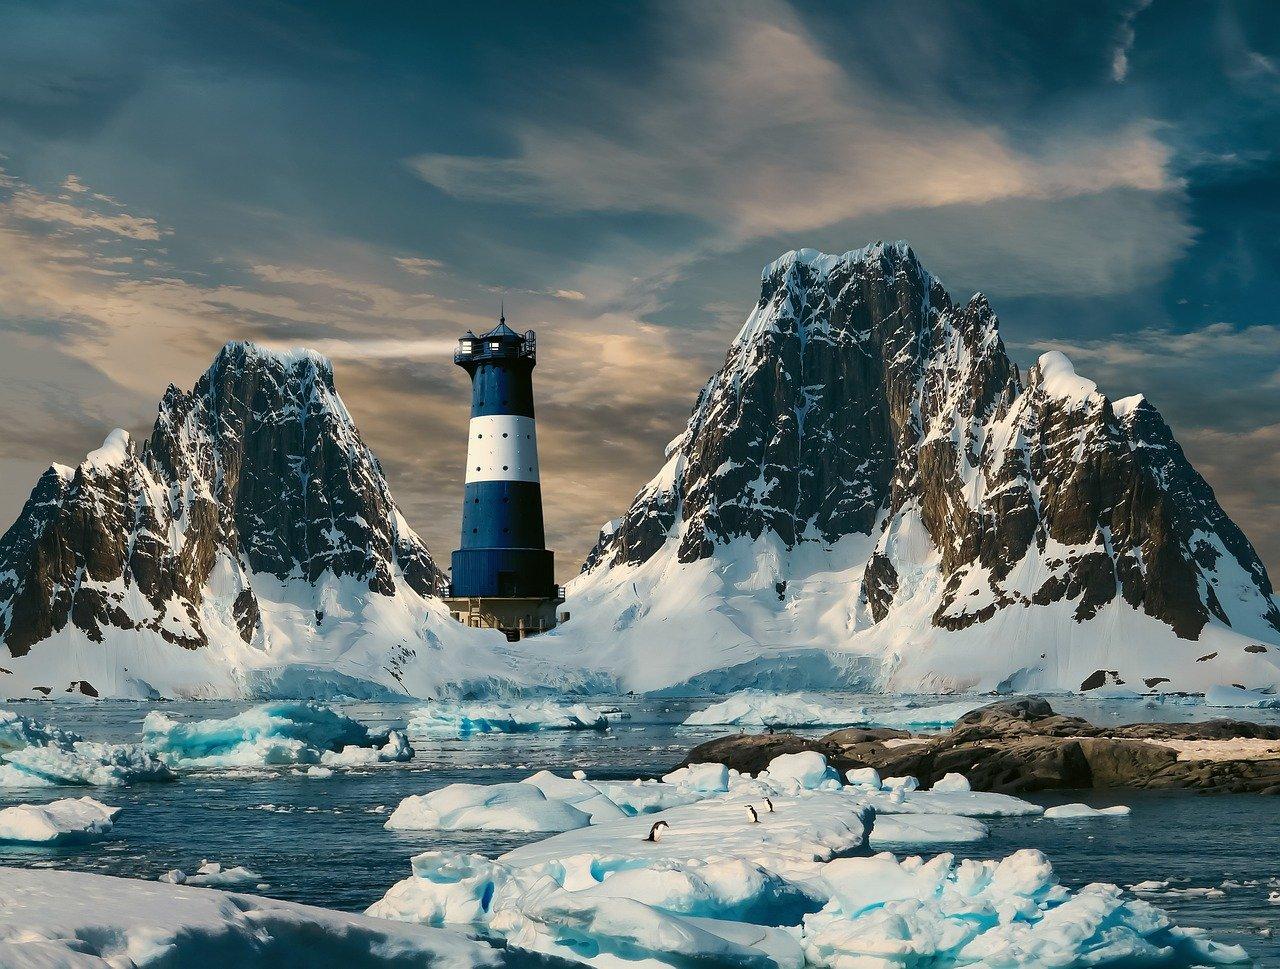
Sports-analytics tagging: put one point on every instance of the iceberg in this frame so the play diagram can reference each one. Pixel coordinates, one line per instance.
(71, 919)
(212, 874)
(68, 819)
(465, 719)
(1068, 812)
(272, 734)
(951, 784)
(1234, 696)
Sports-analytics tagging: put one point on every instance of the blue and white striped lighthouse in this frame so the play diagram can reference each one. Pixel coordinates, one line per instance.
(503, 573)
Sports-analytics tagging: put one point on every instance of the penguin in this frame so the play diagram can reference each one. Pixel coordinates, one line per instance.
(769, 802)
(755, 818)
(655, 833)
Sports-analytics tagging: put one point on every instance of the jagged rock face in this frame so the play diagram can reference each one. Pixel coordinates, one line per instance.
(259, 471)
(858, 398)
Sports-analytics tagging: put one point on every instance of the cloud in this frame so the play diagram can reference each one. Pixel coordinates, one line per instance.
(569, 294)
(418, 266)
(1126, 34)
(748, 125)
(30, 205)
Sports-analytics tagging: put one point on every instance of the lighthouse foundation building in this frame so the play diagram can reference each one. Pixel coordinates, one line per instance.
(503, 574)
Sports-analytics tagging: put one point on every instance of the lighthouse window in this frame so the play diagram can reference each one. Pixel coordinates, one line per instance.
(494, 345)
(504, 467)
(504, 433)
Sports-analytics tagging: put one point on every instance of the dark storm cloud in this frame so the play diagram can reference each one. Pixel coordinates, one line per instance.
(372, 179)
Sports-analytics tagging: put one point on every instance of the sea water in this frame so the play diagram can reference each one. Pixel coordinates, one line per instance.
(321, 840)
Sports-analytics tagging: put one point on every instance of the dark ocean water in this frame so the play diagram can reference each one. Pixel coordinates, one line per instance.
(322, 840)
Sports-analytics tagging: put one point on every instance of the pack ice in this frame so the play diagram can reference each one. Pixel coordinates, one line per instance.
(463, 719)
(33, 754)
(773, 871)
(272, 734)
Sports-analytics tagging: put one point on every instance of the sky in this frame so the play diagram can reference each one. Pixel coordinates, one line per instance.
(371, 179)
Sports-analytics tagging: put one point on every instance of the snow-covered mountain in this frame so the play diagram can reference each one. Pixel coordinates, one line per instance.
(867, 493)
(250, 547)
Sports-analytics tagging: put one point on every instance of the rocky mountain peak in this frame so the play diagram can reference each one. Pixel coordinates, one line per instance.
(859, 399)
(258, 471)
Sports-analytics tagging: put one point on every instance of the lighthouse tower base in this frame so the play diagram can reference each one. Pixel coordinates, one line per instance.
(515, 617)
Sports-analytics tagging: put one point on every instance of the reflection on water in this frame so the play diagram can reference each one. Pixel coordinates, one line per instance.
(321, 840)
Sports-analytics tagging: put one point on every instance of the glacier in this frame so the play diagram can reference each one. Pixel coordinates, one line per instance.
(757, 708)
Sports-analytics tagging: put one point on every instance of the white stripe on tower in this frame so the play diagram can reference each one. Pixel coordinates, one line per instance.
(502, 447)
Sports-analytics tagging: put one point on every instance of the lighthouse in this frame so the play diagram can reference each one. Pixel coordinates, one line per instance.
(503, 574)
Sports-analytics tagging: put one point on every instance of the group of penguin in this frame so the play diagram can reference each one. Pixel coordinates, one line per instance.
(753, 817)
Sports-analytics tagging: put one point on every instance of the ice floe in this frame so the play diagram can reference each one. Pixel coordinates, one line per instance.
(33, 754)
(69, 919)
(755, 708)
(212, 874)
(466, 718)
(67, 819)
(272, 734)
(486, 807)
(790, 887)
(1234, 696)
(1070, 812)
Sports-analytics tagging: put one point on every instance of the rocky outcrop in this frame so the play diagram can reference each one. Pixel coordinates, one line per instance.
(1022, 746)
(860, 401)
(257, 474)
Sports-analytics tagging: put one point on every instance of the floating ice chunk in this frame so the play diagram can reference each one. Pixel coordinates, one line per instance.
(81, 762)
(395, 749)
(935, 716)
(924, 830)
(71, 919)
(951, 784)
(271, 734)
(68, 819)
(465, 719)
(318, 772)
(1148, 887)
(480, 807)
(1066, 812)
(867, 777)
(808, 769)
(707, 778)
(904, 784)
(1234, 696)
(212, 874)
(974, 804)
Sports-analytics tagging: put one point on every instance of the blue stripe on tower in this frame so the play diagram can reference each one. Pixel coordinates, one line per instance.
(502, 551)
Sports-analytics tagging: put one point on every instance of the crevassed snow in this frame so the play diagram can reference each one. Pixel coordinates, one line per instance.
(67, 819)
(270, 734)
(70, 919)
(212, 874)
(465, 718)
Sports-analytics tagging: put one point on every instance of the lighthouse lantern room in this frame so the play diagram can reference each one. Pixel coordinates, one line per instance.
(503, 574)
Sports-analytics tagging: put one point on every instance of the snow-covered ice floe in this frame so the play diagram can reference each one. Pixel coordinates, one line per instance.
(768, 872)
(466, 718)
(1070, 812)
(71, 920)
(272, 734)
(212, 874)
(486, 807)
(755, 708)
(33, 754)
(67, 819)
